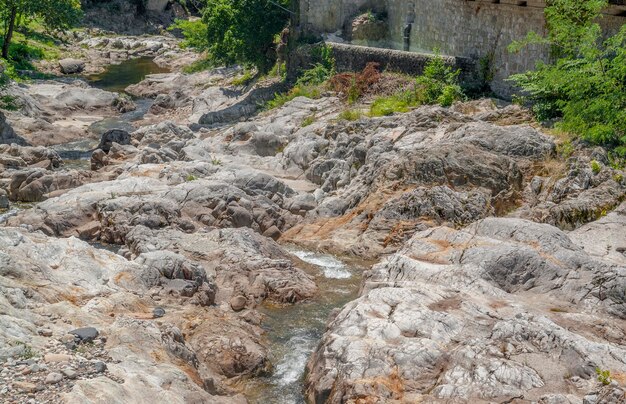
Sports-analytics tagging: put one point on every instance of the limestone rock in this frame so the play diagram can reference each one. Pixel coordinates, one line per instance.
(71, 66)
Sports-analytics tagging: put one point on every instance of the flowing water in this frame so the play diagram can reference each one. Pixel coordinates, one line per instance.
(115, 78)
(294, 331)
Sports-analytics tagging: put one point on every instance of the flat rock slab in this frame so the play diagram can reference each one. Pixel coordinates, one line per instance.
(86, 334)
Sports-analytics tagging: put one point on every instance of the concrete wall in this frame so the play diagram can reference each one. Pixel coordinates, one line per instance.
(479, 29)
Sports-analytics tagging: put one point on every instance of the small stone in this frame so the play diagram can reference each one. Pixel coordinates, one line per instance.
(273, 233)
(53, 378)
(69, 373)
(25, 386)
(26, 371)
(101, 367)
(44, 332)
(238, 303)
(50, 358)
(85, 334)
(158, 312)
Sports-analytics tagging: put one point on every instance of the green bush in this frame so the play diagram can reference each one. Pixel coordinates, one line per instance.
(351, 115)
(310, 84)
(585, 83)
(195, 33)
(384, 106)
(438, 85)
(199, 66)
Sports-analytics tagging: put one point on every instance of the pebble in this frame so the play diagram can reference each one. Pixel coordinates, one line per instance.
(44, 332)
(158, 312)
(53, 378)
(56, 358)
(101, 367)
(25, 386)
(69, 373)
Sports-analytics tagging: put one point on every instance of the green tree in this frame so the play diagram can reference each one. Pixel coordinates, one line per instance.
(585, 82)
(54, 14)
(244, 31)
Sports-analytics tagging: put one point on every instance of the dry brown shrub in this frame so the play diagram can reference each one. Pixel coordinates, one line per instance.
(355, 85)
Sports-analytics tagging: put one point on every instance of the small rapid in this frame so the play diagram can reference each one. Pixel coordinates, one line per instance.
(294, 331)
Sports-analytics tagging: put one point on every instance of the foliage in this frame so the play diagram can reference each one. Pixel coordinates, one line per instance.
(585, 83)
(310, 91)
(243, 31)
(595, 167)
(351, 115)
(604, 376)
(195, 33)
(437, 85)
(324, 55)
(244, 79)
(190, 178)
(384, 106)
(199, 66)
(355, 85)
(309, 120)
(8, 103)
(310, 85)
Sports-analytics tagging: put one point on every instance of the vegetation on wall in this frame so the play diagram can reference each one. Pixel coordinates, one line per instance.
(585, 84)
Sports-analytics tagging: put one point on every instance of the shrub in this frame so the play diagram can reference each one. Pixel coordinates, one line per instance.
(355, 85)
(199, 66)
(595, 167)
(438, 85)
(351, 115)
(195, 33)
(585, 83)
(604, 376)
(310, 85)
(309, 120)
(244, 79)
(384, 106)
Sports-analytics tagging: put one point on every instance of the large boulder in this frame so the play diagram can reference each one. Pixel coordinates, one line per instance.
(71, 66)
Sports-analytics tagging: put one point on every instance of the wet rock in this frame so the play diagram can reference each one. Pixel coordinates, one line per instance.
(85, 334)
(113, 136)
(71, 66)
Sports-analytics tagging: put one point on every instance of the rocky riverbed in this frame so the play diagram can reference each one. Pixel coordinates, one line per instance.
(214, 250)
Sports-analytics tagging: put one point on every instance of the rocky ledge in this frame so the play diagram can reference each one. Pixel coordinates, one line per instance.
(501, 272)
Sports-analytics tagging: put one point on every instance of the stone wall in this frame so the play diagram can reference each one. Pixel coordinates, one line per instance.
(478, 29)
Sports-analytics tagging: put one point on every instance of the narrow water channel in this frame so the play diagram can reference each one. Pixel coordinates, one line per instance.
(115, 78)
(294, 331)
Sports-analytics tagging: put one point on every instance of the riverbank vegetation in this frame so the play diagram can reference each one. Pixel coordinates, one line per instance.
(584, 86)
(28, 28)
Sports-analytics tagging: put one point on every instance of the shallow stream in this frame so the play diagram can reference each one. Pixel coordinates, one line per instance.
(115, 78)
(294, 331)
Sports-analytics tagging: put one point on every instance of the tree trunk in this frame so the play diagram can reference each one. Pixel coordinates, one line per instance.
(8, 36)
